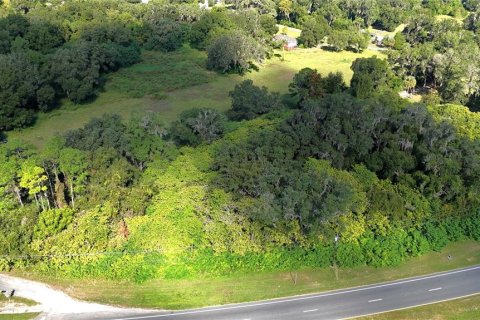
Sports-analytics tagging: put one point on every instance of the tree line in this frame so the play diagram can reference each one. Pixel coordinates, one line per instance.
(439, 57)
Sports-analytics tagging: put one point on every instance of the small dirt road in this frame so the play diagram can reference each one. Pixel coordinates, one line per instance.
(56, 305)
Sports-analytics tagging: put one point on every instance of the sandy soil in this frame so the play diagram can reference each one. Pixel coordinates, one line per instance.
(57, 305)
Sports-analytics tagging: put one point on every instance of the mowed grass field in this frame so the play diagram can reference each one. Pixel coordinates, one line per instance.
(170, 83)
(181, 294)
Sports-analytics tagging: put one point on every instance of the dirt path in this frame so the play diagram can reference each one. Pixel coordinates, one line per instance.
(57, 305)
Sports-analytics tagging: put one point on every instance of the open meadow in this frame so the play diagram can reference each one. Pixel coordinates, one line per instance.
(170, 83)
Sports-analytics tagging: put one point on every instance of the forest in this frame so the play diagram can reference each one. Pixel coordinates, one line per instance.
(269, 184)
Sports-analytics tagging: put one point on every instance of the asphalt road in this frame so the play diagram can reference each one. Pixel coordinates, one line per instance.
(342, 304)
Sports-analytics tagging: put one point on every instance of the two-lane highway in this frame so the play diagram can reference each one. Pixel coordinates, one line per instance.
(343, 304)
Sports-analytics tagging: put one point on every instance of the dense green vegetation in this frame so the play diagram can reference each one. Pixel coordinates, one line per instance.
(439, 57)
(266, 186)
(241, 287)
(56, 50)
(208, 196)
(63, 50)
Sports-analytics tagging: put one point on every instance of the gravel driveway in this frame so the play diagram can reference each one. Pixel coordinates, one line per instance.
(57, 305)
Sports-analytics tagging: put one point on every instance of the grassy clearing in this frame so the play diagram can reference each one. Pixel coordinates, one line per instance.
(277, 74)
(180, 294)
(384, 33)
(415, 98)
(462, 309)
(171, 86)
(159, 73)
(167, 83)
(289, 31)
(442, 17)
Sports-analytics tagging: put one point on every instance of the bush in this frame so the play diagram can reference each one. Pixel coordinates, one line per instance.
(250, 101)
(164, 35)
(436, 235)
(349, 255)
(234, 52)
(53, 221)
(471, 226)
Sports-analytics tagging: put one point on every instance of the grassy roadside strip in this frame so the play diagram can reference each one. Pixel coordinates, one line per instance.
(19, 300)
(461, 309)
(19, 316)
(182, 294)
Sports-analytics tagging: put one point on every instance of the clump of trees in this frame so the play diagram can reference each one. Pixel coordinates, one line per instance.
(198, 126)
(440, 56)
(371, 76)
(250, 101)
(308, 83)
(234, 52)
(42, 62)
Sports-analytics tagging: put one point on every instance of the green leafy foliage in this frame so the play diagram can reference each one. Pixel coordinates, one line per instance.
(308, 83)
(17, 91)
(314, 31)
(209, 27)
(197, 126)
(250, 101)
(51, 222)
(165, 35)
(371, 75)
(234, 52)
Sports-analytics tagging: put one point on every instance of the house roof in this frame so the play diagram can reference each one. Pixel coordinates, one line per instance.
(289, 40)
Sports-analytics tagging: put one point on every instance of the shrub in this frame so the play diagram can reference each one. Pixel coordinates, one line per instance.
(234, 52)
(250, 101)
(165, 35)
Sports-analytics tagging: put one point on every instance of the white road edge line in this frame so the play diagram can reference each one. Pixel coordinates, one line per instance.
(301, 298)
(416, 306)
(375, 300)
(434, 289)
(311, 310)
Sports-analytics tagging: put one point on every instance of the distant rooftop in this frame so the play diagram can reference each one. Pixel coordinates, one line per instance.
(291, 42)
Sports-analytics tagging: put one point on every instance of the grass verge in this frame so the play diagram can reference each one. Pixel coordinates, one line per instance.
(27, 302)
(181, 294)
(17, 316)
(461, 309)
